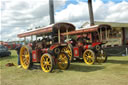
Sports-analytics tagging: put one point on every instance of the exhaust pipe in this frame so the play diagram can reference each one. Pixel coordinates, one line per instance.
(90, 12)
(51, 11)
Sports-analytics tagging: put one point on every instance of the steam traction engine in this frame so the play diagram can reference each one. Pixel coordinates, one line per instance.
(88, 44)
(47, 51)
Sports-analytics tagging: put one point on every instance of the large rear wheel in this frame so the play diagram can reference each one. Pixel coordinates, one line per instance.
(46, 62)
(26, 57)
(69, 50)
(89, 57)
(101, 57)
(63, 61)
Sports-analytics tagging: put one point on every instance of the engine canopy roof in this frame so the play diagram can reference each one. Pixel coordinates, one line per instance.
(63, 26)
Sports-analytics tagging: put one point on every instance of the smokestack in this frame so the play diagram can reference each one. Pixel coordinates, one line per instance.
(90, 12)
(51, 11)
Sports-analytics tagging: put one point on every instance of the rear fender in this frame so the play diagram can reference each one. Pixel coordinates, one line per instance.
(53, 46)
(97, 43)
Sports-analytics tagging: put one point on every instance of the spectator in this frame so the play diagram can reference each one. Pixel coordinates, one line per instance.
(18, 53)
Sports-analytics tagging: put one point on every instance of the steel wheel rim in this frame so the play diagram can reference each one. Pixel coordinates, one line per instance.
(68, 51)
(101, 58)
(89, 57)
(24, 57)
(46, 63)
(62, 61)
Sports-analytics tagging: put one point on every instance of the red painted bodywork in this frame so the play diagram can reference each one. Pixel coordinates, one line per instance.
(86, 46)
(79, 49)
(76, 51)
(30, 44)
(53, 46)
(34, 57)
(96, 43)
(36, 54)
(45, 50)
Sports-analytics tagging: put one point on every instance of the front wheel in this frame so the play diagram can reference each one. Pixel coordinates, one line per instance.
(46, 62)
(63, 61)
(89, 57)
(101, 57)
(26, 57)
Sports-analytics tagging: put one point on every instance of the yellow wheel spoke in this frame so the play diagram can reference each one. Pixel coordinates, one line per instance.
(25, 57)
(25, 62)
(89, 57)
(62, 61)
(65, 58)
(46, 59)
(45, 67)
(68, 51)
(46, 63)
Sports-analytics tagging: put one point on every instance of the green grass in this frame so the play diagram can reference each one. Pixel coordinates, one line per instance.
(113, 72)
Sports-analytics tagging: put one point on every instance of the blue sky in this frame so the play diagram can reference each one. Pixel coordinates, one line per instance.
(105, 1)
(76, 2)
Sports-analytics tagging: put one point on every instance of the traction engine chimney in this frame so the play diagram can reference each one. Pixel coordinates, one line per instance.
(51, 11)
(90, 12)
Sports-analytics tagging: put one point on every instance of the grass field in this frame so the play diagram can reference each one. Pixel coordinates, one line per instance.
(113, 72)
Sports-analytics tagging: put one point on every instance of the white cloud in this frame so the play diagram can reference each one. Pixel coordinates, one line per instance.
(118, 12)
(73, 13)
(112, 12)
(23, 14)
(19, 15)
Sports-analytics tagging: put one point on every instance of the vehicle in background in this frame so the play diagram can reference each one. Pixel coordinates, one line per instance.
(10, 45)
(87, 43)
(4, 51)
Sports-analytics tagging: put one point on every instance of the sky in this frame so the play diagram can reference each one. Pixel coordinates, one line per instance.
(16, 16)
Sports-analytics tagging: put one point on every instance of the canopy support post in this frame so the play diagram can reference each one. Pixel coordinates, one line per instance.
(106, 33)
(59, 35)
(31, 38)
(24, 40)
(67, 33)
(36, 38)
(100, 35)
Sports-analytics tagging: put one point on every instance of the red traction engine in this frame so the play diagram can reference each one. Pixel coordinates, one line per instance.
(88, 44)
(48, 51)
